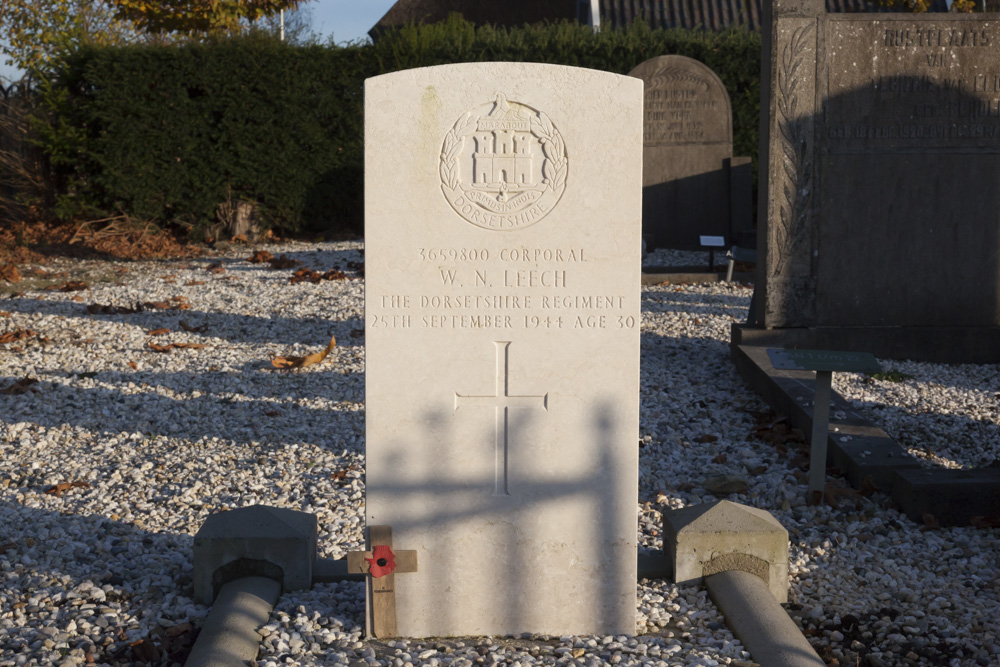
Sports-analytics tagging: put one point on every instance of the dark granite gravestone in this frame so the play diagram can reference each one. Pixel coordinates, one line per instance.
(692, 185)
(879, 217)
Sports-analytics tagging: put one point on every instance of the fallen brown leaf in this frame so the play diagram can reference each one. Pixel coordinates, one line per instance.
(239, 238)
(282, 262)
(930, 522)
(58, 489)
(985, 521)
(145, 650)
(133, 365)
(260, 257)
(22, 386)
(272, 413)
(708, 438)
(302, 362)
(97, 308)
(16, 334)
(4, 313)
(198, 329)
(9, 273)
(171, 346)
(194, 283)
(215, 267)
(721, 458)
(867, 486)
(831, 493)
(158, 332)
(173, 303)
(175, 630)
(71, 286)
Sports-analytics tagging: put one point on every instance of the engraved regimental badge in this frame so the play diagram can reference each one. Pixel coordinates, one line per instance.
(503, 165)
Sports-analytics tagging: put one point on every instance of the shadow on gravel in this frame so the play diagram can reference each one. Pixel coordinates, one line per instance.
(236, 328)
(147, 576)
(259, 408)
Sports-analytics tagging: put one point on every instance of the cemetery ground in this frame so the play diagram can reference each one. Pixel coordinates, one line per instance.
(134, 407)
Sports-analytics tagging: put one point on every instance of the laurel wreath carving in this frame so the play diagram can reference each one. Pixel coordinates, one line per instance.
(554, 168)
(665, 75)
(796, 168)
(452, 147)
(553, 147)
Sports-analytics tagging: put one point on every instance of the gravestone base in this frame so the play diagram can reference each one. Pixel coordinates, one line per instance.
(944, 345)
(702, 540)
(254, 541)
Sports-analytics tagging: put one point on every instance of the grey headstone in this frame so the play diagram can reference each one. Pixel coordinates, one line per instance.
(687, 146)
(880, 149)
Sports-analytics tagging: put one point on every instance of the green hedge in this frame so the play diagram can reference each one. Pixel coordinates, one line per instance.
(170, 133)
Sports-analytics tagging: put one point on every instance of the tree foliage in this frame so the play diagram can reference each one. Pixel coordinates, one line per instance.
(206, 16)
(38, 32)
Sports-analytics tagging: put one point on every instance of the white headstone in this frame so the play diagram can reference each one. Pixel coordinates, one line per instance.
(503, 212)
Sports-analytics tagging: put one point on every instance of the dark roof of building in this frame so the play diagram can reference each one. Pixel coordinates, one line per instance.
(707, 14)
(509, 12)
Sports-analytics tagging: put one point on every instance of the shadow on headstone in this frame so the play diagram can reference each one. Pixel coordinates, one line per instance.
(692, 184)
(880, 212)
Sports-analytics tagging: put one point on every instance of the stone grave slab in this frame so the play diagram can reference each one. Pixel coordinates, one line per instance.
(879, 208)
(503, 215)
(688, 165)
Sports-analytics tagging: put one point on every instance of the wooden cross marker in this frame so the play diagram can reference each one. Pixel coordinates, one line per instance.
(381, 563)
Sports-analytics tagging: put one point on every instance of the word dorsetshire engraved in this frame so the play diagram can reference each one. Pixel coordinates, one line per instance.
(503, 165)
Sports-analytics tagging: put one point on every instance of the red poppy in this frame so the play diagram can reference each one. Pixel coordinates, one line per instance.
(382, 562)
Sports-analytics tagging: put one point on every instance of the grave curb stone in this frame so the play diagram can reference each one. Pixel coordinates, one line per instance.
(254, 541)
(705, 539)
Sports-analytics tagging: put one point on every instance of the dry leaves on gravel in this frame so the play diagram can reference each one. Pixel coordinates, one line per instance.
(302, 362)
(57, 490)
(16, 335)
(314, 277)
(108, 309)
(170, 346)
(9, 273)
(833, 492)
(22, 386)
(202, 328)
(71, 286)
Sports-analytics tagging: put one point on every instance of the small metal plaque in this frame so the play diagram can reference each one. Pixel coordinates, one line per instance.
(823, 360)
(713, 241)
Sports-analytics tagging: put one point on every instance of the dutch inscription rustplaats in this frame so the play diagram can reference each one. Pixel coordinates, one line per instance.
(922, 87)
(920, 36)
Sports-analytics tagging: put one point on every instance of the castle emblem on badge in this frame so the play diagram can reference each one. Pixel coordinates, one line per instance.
(503, 165)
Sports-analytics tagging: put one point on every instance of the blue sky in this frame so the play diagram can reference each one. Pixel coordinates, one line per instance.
(346, 20)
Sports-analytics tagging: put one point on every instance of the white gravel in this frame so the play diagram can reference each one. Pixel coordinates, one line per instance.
(158, 440)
